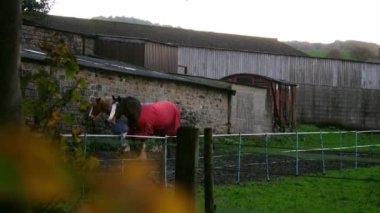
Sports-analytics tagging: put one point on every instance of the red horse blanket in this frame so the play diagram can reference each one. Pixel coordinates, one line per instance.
(160, 118)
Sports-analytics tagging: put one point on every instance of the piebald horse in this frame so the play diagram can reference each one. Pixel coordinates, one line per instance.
(101, 105)
(104, 105)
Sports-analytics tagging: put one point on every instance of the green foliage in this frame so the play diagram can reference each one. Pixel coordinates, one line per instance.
(53, 104)
(351, 50)
(49, 106)
(317, 53)
(52, 206)
(361, 53)
(345, 54)
(40, 6)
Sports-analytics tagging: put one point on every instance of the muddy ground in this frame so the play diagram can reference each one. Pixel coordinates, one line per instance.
(254, 166)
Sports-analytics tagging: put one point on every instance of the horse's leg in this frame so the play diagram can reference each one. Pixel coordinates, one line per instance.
(157, 147)
(126, 146)
(142, 155)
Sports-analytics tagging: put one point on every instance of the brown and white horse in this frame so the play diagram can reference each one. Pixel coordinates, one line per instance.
(102, 105)
(107, 105)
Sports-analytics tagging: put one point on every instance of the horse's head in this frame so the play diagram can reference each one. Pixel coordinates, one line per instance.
(115, 103)
(96, 108)
(129, 107)
(99, 105)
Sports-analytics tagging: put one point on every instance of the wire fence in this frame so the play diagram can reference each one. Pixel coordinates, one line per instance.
(244, 157)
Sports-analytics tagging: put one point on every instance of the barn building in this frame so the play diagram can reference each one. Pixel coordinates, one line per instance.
(279, 101)
(329, 91)
(203, 102)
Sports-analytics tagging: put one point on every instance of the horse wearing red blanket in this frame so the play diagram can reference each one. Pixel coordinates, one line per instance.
(159, 118)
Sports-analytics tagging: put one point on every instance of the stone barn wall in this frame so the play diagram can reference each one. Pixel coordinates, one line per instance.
(204, 106)
(35, 37)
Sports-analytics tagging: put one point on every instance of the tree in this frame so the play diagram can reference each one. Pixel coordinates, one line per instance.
(10, 92)
(40, 6)
(361, 53)
(333, 53)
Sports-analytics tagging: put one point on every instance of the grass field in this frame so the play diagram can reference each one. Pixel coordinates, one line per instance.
(330, 137)
(348, 190)
(351, 190)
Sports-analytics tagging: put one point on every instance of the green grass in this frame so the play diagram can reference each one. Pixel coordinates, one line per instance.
(352, 190)
(279, 143)
(317, 53)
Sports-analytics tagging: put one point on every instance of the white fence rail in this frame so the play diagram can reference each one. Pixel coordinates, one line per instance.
(268, 152)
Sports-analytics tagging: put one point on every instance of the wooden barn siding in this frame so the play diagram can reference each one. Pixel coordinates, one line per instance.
(127, 51)
(350, 107)
(301, 70)
(161, 57)
(339, 92)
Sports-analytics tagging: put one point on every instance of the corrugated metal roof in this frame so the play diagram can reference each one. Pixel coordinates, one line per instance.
(124, 68)
(167, 35)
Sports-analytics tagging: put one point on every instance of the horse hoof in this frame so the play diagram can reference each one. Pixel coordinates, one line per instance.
(156, 149)
(142, 156)
(127, 149)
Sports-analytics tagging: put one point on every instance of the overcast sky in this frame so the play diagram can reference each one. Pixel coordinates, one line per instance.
(303, 20)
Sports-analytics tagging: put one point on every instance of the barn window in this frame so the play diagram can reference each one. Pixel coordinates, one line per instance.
(182, 69)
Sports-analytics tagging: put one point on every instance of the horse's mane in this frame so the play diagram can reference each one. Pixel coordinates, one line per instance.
(103, 99)
(135, 108)
(107, 99)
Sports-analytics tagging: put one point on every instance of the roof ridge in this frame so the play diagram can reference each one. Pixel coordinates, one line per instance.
(164, 34)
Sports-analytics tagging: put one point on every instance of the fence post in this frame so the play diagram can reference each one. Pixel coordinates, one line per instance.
(165, 160)
(267, 156)
(85, 144)
(121, 149)
(85, 154)
(186, 164)
(356, 149)
(239, 154)
(322, 153)
(297, 157)
(208, 169)
(340, 148)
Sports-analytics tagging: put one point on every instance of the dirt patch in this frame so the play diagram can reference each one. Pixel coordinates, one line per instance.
(252, 166)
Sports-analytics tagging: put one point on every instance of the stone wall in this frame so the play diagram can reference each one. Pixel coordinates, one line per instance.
(78, 44)
(204, 106)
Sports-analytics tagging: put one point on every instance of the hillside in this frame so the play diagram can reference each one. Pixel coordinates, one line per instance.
(353, 50)
(131, 20)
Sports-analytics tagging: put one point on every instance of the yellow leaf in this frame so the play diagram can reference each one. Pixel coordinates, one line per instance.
(76, 139)
(54, 118)
(43, 175)
(91, 163)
